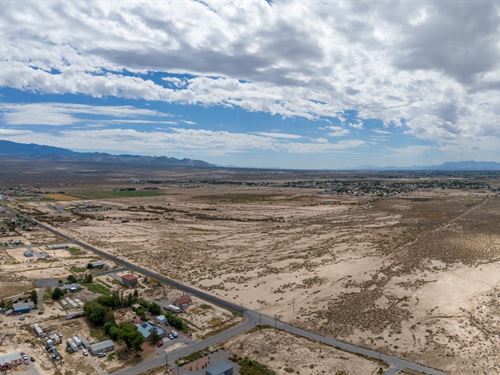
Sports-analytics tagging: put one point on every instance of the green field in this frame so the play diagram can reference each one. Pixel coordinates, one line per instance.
(98, 288)
(119, 194)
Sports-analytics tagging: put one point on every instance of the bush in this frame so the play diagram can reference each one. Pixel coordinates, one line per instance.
(251, 367)
(72, 279)
(57, 293)
(175, 321)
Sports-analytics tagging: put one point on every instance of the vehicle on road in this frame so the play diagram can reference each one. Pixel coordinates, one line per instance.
(85, 352)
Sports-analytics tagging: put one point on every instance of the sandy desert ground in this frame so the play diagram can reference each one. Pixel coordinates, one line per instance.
(415, 275)
(284, 353)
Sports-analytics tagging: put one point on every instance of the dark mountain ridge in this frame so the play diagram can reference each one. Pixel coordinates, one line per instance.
(41, 152)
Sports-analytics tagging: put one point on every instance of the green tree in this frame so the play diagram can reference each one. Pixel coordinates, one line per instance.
(34, 296)
(98, 314)
(154, 308)
(131, 336)
(57, 293)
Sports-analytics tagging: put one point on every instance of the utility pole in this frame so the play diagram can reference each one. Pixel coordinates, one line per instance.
(274, 321)
(293, 306)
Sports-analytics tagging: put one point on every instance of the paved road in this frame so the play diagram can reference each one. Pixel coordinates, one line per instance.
(221, 337)
(40, 304)
(252, 318)
(46, 283)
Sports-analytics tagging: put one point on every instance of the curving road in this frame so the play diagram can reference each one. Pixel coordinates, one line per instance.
(252, 319)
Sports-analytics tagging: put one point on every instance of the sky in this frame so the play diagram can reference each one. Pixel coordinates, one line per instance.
(285, 84)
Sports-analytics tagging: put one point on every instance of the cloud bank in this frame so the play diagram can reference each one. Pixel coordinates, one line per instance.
(430, 68)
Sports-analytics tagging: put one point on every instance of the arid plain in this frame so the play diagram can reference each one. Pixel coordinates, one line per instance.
(415, 273)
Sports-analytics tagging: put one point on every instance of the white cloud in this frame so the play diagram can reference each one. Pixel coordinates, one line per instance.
(335, 131)
(382, 131)
(56, 114)
(411, 61)
(356, 125)
(176, 141)
(279, 135)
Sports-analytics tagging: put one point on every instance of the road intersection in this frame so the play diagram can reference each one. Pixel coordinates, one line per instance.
(251, 320)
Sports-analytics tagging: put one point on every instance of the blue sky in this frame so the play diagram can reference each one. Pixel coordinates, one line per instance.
(254, 84)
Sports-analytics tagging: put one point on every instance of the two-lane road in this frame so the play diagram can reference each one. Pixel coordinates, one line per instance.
(252, 318)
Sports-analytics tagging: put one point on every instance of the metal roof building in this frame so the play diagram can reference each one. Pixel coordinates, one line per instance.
(10, 360)
(23, 307)
(220, 368)
(101, 347)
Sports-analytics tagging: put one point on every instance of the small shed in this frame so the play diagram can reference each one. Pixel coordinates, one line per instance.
(129, 280)
(220, 368)
(183, 301)
(162, 319)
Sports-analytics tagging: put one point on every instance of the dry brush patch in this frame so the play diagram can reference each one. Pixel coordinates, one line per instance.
(338, 262)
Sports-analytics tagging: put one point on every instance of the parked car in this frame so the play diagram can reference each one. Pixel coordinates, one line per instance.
(101, 354)
(85, 352)
(160, 344)
(175, 334)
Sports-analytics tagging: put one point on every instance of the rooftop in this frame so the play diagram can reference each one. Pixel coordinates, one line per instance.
(129, 277)
(9, 357)
(147, 328)
(101, 345)
(23, 305)
(183, 300)
(219, 367)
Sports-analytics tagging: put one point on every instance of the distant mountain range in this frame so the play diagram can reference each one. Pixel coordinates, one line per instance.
(40, 152)
(33, 151)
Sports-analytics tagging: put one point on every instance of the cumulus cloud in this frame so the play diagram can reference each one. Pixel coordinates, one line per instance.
(431, 67)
